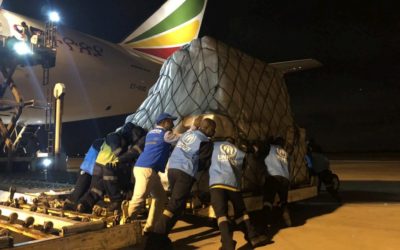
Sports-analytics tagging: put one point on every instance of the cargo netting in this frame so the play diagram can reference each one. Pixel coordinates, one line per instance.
(247, 98)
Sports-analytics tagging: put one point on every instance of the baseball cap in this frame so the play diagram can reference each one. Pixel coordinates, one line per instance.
(164, 116)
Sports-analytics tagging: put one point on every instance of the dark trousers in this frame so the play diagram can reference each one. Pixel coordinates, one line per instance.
(276, 185)
(81, 186)
(126, 181)
(180, 184)
(106, 181)
(219, 202)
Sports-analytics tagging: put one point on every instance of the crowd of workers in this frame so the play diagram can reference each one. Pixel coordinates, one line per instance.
(107, 170)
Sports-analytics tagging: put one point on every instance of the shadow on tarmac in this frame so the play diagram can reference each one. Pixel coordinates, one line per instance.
(184, 243)
(300, 213)
(363, 191)
(195, 222)
(350, 192)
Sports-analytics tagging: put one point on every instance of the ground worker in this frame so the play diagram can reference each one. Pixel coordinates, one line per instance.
(319, 165)
(108, 167)
(277, 179)
(152, 160)
(254, 170)
(85, 177)
(225, 182)
(191, 154)
(26, 31)
(128, 159)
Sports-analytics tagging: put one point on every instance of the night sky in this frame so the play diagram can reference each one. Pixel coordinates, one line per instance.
(349, 105)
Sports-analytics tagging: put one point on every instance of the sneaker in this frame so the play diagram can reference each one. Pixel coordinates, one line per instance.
(286, 217)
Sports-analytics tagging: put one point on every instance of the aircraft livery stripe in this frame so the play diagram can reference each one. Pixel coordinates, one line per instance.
(185, 12)
(163, 12)
(181, 35)
(161, 53)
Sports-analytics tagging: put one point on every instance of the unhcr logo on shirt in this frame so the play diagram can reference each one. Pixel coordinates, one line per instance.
(228, 153)
(186, 140)
(189, 138)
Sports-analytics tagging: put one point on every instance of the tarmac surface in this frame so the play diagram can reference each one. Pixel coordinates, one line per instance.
(367, 218)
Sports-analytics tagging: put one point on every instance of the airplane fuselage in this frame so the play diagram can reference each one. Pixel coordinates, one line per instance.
(101, 78)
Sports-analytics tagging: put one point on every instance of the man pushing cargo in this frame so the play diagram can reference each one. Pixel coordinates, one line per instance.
(152, 160)
(191, 154)
(225, 182)
(277, 179)
(109, 164)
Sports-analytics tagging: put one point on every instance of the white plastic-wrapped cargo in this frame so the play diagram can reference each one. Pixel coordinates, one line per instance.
(247, 97)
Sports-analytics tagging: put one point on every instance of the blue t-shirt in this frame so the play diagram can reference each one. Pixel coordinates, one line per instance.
(156, 151)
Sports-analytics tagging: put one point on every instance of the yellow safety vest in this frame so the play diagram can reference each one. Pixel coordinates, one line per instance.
(106, 156)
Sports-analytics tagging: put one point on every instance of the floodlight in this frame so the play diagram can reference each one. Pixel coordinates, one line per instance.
(46, 162)
(22, 48)
(54, 16)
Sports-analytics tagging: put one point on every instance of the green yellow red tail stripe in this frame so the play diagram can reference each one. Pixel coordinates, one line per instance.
(176, 23)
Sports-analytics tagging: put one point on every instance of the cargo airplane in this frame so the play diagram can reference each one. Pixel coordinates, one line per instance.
(102, 79)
